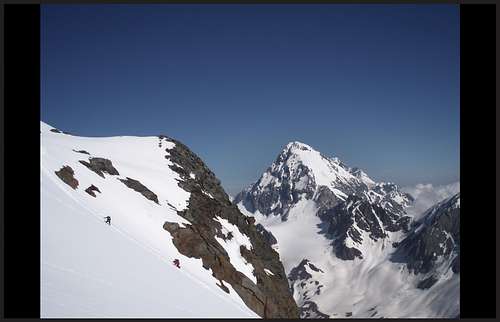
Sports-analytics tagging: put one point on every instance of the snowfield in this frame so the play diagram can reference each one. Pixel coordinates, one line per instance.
(90, 269)
(373, 286)
(357, 286)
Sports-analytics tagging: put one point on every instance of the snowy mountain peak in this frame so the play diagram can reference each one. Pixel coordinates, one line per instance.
(301, 172)
(296, 145)
(321, 211)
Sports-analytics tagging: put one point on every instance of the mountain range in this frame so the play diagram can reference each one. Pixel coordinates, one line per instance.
(347, 243)
(312, 238)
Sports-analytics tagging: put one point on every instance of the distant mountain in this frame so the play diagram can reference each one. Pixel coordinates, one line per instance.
(427, 195)
(347, 243)
(164, 204)
(432, 248)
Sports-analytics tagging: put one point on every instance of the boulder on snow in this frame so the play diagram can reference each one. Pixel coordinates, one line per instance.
(66, 175)
(100, 166)
(81, 151)
(90, 190)
(142, 189)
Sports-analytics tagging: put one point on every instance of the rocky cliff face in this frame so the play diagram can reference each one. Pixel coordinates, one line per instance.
(433, 245)
(208, 209)
(348, 222)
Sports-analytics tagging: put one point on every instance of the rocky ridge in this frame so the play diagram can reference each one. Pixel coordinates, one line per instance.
(269, 297)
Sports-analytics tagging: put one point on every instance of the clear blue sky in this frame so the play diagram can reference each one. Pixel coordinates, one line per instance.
(375, 85)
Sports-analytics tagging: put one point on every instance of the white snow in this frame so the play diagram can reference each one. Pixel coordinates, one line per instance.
(207, 194)
(326, 171)
(232, 247)
(268, 272)
(90, 269)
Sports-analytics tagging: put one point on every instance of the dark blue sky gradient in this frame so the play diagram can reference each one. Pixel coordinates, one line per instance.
(375, 85)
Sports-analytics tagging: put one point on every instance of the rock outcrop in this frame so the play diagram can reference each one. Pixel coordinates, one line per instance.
(101, 166)
(66, 174)
(91, 190)
(270, 296)
(140, 188)
(81, 151)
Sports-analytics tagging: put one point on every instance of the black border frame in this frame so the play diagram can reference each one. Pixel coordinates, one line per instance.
(21, 189)
(21, 227)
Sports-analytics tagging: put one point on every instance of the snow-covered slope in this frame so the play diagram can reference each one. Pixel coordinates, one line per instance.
(90, 269)
(336, 231)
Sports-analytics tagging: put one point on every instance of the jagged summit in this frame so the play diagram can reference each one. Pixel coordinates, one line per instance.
(301, 172)
(298, 145)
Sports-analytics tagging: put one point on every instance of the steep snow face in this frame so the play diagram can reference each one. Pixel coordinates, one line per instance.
(90, 269)
(349, 228)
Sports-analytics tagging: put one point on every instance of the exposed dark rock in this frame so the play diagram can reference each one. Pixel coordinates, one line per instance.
(455, 265)
(427, 283)
(309, 310)
(347, 253)
(299, 272)
(90, 190)
(66, 175)
(278, 199)
(101, 166)
(314, 268)
(325, 200)
(356, 213)
(348, 314)
(270, 297)
(81, 151)
(436, 235)
(222, 286)
(251, 220)
(185, 163)
(55, 131)
(142, 189)
(268, 236)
